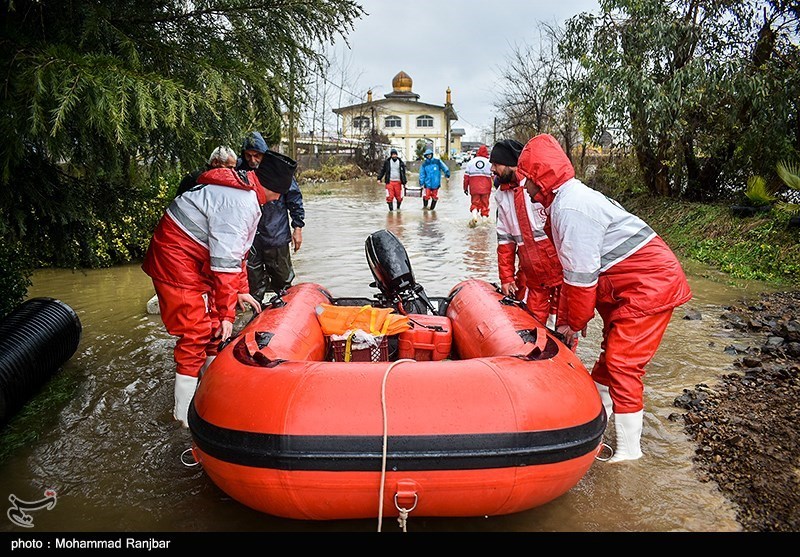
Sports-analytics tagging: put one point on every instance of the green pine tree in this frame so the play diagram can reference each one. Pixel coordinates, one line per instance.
(102, 101)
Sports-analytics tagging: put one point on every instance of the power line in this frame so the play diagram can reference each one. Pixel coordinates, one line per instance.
(341, 88)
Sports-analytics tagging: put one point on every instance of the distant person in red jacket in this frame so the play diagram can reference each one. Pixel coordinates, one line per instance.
(613, 263)
(478, 184)
(196, 260)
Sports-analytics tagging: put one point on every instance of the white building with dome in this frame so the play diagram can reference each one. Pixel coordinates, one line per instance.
(404, 119)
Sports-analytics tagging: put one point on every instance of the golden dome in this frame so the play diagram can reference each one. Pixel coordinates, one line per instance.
(402, 83)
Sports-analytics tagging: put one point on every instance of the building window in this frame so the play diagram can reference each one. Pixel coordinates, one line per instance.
(361, 123)
(425, 121)
(392, 122)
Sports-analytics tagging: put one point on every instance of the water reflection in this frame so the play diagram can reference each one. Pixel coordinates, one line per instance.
(112, 452)
(481, 252)
(431, 234)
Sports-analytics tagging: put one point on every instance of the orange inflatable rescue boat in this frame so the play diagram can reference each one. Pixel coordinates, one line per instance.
(465, 406)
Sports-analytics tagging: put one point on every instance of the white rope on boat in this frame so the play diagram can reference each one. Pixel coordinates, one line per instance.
(385, 439)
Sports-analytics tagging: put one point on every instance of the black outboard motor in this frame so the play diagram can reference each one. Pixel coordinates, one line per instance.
(391, 268)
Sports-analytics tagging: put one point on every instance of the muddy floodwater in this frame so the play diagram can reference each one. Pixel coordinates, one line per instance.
(112, 452)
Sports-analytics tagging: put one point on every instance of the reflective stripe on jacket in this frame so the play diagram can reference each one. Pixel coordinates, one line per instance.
(538, 260)
(611, 258)
(202, 240)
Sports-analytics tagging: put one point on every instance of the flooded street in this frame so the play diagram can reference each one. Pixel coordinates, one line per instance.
(112, 453)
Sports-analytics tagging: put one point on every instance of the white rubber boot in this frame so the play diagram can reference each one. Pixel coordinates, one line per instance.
(629, 434)
(209, 359)
(184, 391)
(474, 220)
(605, 396)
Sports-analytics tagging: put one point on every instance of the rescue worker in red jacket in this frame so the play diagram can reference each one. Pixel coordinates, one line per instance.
(521, 236)
(615, 263)
(478, 184)
(197, 258)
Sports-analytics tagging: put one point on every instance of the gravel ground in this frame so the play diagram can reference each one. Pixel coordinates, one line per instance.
(746, 426)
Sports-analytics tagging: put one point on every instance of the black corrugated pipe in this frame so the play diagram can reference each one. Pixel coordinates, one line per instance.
(36, 339)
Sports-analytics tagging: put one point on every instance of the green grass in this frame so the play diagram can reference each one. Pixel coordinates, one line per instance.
(39, 414)
(753, 248)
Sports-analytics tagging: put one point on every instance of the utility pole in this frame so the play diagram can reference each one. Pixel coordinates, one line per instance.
(290, 140)
(494, 132)
(372, 136)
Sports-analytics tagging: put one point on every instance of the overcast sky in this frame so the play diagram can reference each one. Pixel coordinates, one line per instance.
(461, 44)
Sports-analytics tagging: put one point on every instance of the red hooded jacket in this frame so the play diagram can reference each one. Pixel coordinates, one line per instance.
(203, 238)
(612, 260)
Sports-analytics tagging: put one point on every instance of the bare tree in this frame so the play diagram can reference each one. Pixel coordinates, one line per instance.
(332, 85)
(533, 95)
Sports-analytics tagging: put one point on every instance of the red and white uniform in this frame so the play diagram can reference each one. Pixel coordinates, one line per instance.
(478, 181)
(521, 235)
(196, 259)
(613, 262)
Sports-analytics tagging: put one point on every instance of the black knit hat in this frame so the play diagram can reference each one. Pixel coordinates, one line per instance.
(506, 152)
(275, 172)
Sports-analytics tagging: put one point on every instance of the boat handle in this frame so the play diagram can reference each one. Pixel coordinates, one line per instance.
(189, 464)
(605, 448)
(402, 509)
